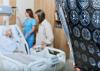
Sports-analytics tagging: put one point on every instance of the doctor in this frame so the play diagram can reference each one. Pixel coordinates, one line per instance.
(29, 27)
(44, 36)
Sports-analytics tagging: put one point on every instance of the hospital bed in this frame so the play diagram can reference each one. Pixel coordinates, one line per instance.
(18, 57)
(48, 59)
(54, 58)
(19, 44)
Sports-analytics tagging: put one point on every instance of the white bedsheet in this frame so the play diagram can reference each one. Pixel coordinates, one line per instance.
(8, 64)
(29, 62)
(7, 44)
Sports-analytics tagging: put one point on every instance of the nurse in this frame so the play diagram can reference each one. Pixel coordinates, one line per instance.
(44, 36)
(29, 27)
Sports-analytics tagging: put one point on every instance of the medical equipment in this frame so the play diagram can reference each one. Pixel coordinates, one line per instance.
(5, 10)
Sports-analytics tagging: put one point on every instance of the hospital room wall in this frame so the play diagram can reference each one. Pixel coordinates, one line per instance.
(12, 19)
(48, 6)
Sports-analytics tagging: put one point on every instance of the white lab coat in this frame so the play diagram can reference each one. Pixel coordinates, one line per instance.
(45, 34)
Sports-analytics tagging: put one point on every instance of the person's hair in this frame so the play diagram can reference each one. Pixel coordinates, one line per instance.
(41, 15)
(30, 12)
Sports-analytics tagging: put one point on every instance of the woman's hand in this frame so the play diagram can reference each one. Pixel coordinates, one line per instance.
(77, 69)
(34, 46)
(18, 18)
(42, 44)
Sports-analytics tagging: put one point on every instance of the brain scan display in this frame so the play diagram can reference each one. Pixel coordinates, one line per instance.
(84, 57)
(86, 68)
(86, 34)
(97, 51)
(72, 4)
(96, 19)
(92, 61)
(82, 46)
(84, 3)
(96, 36)
(76, 32)
(78, 55)
(83, 22)
(96, 4)
(84, 18)
(74, 17)
(76, 44)
(99, 64)
(91, 49)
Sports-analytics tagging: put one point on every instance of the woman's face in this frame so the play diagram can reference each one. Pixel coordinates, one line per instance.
(36, 17)
(8, 33)
(26, 14)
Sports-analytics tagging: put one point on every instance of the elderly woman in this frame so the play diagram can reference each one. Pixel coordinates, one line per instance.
(7, 42)
(8, 33)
